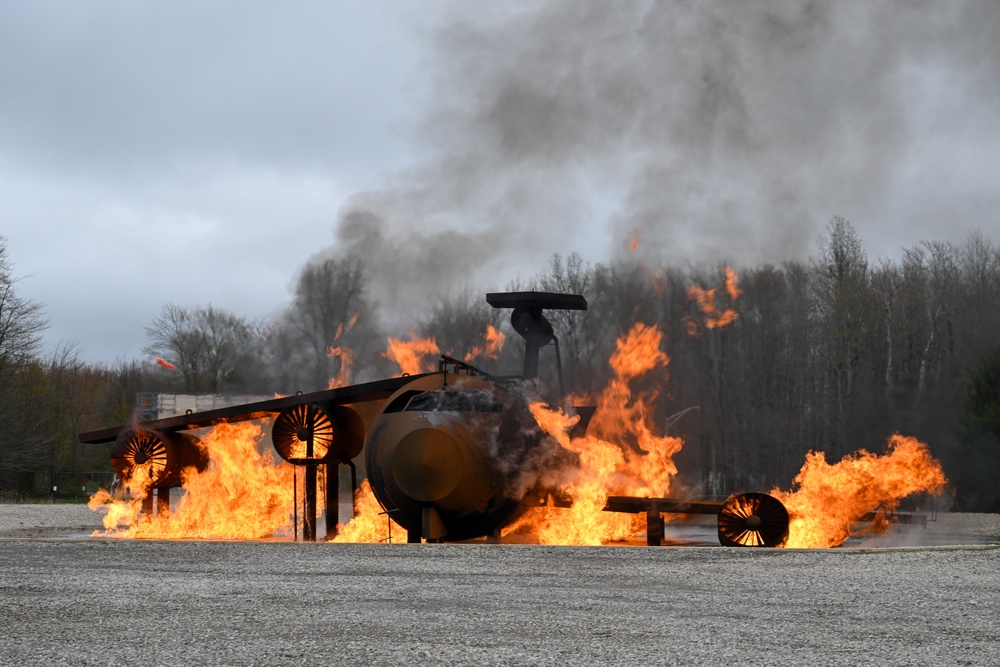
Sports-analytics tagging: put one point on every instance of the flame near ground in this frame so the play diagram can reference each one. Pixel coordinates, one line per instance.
(246, 494)
(243, 494)
(619, 455)
(827, 500)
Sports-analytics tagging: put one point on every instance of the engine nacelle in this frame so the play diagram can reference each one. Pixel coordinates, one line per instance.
(308, 433)
(162, 457)
(445, 455)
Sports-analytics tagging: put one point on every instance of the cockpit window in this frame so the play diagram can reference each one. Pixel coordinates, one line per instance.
(455, 401)
(484, 401)
(399, 403)
(425, 402)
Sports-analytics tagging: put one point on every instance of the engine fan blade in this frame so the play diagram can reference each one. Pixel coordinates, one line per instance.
(139, 451)
(303, 433)
(753, 520)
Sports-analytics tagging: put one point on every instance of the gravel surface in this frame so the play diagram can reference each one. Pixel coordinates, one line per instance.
(94, 601)
(42, 520)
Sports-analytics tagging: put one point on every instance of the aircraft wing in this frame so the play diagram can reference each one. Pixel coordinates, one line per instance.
(328, 398)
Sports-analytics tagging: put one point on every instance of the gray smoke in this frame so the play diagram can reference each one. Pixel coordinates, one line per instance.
(708, 131)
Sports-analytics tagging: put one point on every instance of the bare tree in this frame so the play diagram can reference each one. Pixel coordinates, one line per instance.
(459, 324)
(208, 346)
(979, 298)
(328, 312)
(119, 386)
(931, 268)
(578, 331)
(846, 307)
(21, 322)
(24, 443)
(886, 284)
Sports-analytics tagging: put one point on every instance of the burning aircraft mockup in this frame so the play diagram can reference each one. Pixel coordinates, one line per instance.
(450, 455)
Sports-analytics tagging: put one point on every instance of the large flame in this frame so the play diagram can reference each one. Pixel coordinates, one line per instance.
(410, 354)
(242, 494)
(370, 522)
(712, 316)
(620, 455)
(827, 500)
(493, 342)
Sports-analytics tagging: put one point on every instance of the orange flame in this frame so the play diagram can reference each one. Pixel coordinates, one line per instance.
(828, 499)
(705, 299)
(495, 340)
(353, 320)
(343, 354)
(242, 494)
(659, 279)
(370, 523)
(166, 364)
(343, 376)
(409, 355)
(620, 455)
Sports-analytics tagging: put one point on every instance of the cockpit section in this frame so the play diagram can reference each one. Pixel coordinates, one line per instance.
(445, 400)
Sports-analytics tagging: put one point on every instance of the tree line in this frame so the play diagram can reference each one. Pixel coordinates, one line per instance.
(767, 363)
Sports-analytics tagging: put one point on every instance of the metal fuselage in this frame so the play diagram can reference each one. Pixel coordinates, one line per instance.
(445, 456)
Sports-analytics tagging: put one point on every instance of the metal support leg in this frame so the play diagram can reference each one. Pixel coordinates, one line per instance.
(332, 499)
(163, 501)
(654, 528)
(309, 511)
(354, 487)
(147, 504)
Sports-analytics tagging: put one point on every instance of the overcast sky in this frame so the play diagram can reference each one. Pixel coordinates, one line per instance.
(203, 152)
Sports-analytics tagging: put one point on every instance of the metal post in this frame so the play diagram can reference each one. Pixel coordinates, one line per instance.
(309, 495)
(147, 504)
(354, 488)
(562, 388)
(532, 345)
(332, 498)
(309, 505)
(163, 501)
(654, 527)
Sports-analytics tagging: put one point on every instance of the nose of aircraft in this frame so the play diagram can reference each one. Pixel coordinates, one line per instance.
(427, 465)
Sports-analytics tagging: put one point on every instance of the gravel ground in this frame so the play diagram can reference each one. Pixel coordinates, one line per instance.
(67, 601)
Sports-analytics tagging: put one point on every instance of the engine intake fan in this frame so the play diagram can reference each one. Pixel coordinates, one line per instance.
(753, 520)
(161, 457)
(310, 434)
